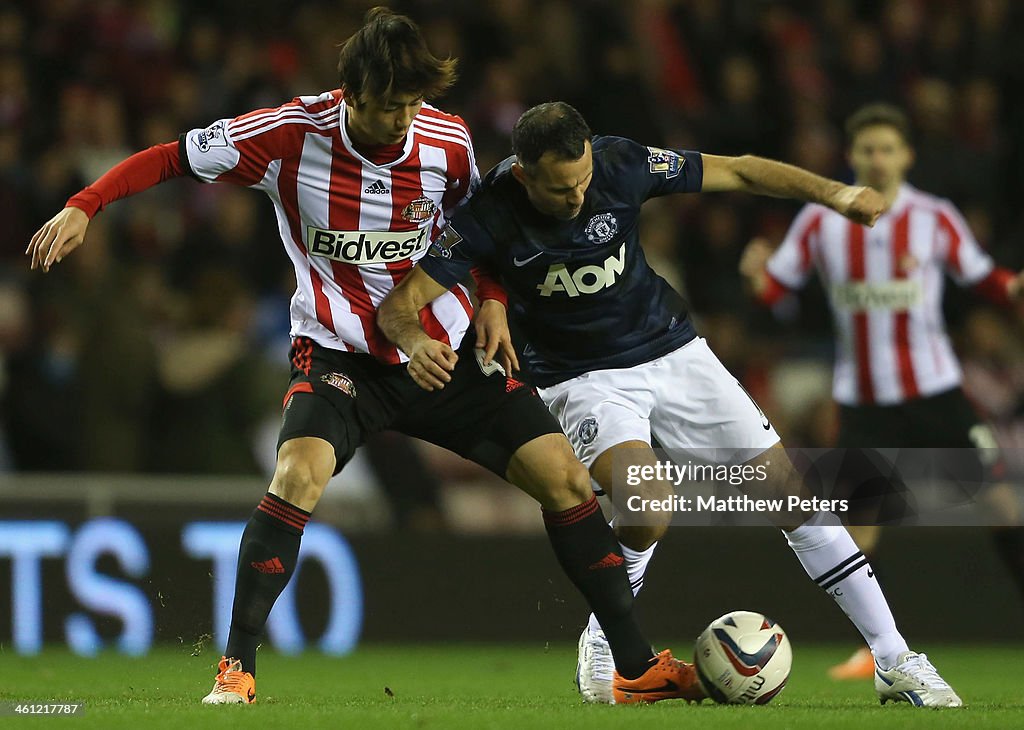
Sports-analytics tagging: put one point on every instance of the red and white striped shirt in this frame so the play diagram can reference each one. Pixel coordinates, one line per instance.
(352, 228)
(885, 286)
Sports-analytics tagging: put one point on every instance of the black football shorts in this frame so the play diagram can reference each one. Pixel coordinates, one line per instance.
(342, 397)
(939, 435)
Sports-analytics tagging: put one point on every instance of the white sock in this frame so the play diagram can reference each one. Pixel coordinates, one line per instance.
(636, 566)
(833, 560)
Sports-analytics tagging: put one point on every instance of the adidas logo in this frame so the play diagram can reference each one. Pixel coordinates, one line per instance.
(273, 565)
(611, 560)
(378, 188)
(513, 384)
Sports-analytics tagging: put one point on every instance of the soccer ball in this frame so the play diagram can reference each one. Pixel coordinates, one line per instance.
(743, 658)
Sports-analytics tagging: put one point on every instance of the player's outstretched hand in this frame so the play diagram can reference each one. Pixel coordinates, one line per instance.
(859, 203)
(1016, 287)
(431, 363)
(753, 263)
(58, 237)
(492, 335)
(755, 257)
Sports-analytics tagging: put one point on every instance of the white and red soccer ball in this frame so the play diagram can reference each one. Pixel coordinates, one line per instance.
(743, 658)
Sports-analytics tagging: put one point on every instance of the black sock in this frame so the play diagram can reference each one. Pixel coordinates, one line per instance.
(590, 555)
(266, 561)
(1009, 542)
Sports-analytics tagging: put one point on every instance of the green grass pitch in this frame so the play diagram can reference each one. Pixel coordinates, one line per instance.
(477, 686)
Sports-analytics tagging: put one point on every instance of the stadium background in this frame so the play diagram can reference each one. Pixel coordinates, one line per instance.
(142, 378)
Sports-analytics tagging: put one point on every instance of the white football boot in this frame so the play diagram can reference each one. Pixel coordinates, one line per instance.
(916, 681)
(595, 667)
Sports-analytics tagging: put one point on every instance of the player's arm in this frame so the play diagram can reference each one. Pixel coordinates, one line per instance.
(65, 232)
(765, 288)
(214, 154)
(770, 273)
(970, 265)
(1002, 286)
(430, 361)
(491, 321)
(488, 288)
(760, 176)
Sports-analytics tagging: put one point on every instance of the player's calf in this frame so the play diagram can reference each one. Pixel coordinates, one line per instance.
(781, 481)
(832, 560)
(644, 527)
(269, 549)
(637, 537)
(583, 542)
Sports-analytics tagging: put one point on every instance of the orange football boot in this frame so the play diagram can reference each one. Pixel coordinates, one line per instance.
(861, 665)
(231, 686)
(667, 679)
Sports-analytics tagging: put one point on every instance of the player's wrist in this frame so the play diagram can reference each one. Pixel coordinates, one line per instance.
(486, 303)
(86, 201)
(491, 292)
(838, 196)
(413, 342)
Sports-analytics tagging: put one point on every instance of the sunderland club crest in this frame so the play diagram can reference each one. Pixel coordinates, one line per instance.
(908, 264)
(340, 381)
(419, 210)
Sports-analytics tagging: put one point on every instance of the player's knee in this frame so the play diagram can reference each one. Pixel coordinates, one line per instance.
(296, 482)
(577, 482)
(565, 486)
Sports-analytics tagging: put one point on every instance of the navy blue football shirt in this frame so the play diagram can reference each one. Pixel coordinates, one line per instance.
(580, 291)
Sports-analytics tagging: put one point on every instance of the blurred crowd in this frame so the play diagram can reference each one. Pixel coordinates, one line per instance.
(161, 344)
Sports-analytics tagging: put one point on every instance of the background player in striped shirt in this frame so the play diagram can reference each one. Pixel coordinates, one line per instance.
(362, 179)
(617, 359)
(897, 379)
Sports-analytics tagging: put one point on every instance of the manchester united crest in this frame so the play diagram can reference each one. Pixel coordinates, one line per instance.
(602, 228)
(586, 432)
(419, 210)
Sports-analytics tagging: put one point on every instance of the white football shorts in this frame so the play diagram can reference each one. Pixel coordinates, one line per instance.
(686, 399)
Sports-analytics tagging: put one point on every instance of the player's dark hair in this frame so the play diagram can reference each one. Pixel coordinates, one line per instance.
(388, 55)
(552, 127)
(878, 114)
